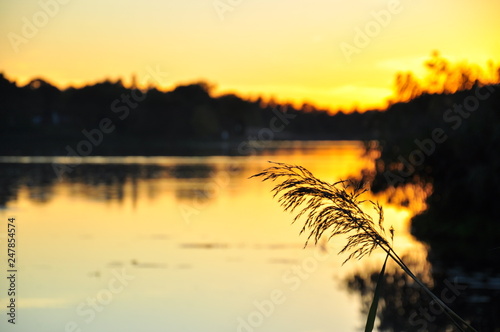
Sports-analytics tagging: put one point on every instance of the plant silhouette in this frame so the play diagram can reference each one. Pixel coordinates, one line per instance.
(335, 209)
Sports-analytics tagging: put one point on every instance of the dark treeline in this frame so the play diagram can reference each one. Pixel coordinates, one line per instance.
(40, 115)
(39, 118)
(450, 144)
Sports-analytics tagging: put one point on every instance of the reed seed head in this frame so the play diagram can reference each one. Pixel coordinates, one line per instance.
(329, 208)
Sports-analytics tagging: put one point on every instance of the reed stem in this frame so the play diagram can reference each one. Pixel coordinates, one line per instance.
(336, 207)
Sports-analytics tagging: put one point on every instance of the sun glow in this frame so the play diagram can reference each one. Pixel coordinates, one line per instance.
(291, 53)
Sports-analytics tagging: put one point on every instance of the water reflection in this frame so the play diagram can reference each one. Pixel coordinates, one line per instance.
(126, 213)
(109, 182)
(401, 297)
(473, 295)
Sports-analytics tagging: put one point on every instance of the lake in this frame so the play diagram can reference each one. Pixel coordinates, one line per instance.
(187, 244)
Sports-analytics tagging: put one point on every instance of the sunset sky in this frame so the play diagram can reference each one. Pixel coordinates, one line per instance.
(291, 50)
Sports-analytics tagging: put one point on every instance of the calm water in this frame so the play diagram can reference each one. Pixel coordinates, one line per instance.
(186, 244)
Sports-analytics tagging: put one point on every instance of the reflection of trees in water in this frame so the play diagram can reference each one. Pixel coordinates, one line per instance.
(205, 182)
(37, 180)
(400, 295)
(198, 189)
(403, 306)
(111, 182)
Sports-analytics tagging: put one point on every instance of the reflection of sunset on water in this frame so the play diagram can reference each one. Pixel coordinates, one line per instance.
(186, 226)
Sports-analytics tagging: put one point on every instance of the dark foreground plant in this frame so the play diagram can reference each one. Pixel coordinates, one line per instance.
(335, 209)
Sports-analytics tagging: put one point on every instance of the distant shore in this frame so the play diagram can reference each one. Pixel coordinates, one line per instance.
(114, 145)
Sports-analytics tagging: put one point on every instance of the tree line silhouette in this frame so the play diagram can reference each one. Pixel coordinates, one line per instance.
(41, 115)
(447, 142)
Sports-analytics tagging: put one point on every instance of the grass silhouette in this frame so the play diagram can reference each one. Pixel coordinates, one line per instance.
(335, 209)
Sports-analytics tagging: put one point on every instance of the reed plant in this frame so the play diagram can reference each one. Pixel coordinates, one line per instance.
(332, 209)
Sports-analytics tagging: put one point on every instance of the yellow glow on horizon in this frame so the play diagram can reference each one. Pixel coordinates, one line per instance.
(289, 51)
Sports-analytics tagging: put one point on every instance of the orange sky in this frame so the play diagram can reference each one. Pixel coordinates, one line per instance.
(294, 50)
